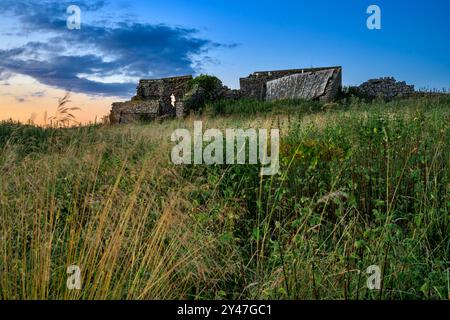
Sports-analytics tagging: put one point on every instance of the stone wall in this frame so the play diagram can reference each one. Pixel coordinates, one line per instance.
(255, 85)
(155, 98)
(130, 111)
(230, 94)
(323, 85)
(162, 89)
(180, 109)
(334, 87)
(386, 87)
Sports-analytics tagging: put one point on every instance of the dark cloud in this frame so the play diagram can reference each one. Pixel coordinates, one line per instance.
(67, 58)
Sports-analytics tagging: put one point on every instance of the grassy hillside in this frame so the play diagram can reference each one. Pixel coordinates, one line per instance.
(360, 184)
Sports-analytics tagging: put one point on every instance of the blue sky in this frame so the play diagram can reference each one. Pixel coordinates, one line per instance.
(122, 41)
(412, 45)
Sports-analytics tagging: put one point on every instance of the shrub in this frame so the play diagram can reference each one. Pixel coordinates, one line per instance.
(202, 89)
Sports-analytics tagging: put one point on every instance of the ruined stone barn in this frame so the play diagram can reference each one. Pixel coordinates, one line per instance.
(154, 99)
(322, 84)
(160, 98)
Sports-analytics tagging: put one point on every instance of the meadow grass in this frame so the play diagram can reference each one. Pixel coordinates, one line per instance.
(360, 184)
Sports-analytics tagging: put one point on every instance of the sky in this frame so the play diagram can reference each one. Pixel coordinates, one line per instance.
(120, 42)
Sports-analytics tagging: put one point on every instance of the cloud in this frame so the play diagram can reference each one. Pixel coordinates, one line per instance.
(81, 60)
(4, 74)
(38, 94)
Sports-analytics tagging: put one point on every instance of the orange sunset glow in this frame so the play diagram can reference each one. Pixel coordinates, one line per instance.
(23, 99)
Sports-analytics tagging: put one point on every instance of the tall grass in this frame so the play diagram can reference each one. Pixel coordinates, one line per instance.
(64, 115)
(103, 201)
(246, 107)
(361, 184)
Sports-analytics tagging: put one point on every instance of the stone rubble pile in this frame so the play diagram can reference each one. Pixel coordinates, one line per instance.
(386, 87)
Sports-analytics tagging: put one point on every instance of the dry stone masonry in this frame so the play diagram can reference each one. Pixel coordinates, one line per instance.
(386, 87)
(163, 89)
(135, 110)
(154, 99)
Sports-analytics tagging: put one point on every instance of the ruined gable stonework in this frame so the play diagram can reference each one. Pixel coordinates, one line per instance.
(308, 86)
(313, 83)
